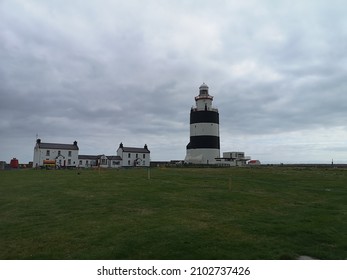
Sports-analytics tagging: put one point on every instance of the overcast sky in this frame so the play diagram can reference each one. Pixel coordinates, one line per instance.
(103, 72)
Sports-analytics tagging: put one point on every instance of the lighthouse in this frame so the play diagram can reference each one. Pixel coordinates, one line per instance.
(204, 145)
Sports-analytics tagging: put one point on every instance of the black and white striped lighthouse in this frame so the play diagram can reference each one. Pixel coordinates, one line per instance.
(204, 145)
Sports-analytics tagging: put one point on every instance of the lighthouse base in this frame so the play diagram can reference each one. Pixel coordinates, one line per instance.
(202, 156)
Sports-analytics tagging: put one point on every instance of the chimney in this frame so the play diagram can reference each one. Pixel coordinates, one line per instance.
(38, 141)
(75, 143)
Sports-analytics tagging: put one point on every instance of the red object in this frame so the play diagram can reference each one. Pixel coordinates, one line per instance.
(14, 163)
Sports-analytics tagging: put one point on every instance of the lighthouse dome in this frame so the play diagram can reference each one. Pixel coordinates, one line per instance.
(203, 86)
(203, 90)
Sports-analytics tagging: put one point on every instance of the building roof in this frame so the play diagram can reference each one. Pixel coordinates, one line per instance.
(57, 146)
(92, 157)
(114, 157)
(135, 150)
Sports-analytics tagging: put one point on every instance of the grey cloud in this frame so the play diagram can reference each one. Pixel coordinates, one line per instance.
(116, 71)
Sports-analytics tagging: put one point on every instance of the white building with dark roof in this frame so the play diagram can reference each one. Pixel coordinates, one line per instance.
(109, 161)
(234, 158)
(87, 161)
(132, 156)
(60, 155)
(55, 155)
(126, 157)
(114, 161)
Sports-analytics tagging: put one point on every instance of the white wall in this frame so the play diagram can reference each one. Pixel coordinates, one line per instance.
(202, 156)
(85, 163)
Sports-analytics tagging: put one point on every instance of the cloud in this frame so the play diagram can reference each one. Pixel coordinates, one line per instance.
(102, 72)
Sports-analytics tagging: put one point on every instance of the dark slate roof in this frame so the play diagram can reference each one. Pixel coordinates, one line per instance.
(57, 146)
(92, 157)
(114, 157)
(135, 150)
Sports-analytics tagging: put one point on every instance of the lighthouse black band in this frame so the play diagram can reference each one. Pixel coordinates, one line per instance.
(204, 117)
(203, 142)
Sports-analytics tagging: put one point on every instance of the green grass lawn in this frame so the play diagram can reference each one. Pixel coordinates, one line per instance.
(180, 213)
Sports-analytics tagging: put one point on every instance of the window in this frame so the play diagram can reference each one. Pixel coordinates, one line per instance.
(70, 153)
(129, 155)
(87, 162)
(137, 155)
(69, 161)
(144, 156)
(80, 162)
(128, 162)
(47, 153)
(59, 152)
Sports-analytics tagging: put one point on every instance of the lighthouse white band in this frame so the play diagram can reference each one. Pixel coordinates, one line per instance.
(199, 129)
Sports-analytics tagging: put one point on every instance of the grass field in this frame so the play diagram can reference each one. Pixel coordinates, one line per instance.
(179, 213)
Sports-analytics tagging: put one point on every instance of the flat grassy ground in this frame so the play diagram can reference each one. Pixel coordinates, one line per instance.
(180, 213)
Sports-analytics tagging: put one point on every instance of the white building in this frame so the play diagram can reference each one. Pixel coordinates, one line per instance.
(134, 156)
(126, 157)
(89, 161)
(234, 158)
(254, 162)
(60, 155)
(109, 161)
(114, 161)
(66, 155)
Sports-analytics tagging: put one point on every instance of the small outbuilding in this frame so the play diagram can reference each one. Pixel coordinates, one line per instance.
(254, 162)
(14, 163)
(2, 165)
